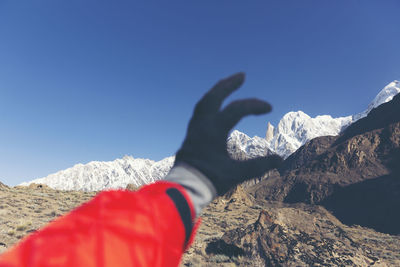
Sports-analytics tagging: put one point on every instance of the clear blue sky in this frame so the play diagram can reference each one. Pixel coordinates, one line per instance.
(97, 80)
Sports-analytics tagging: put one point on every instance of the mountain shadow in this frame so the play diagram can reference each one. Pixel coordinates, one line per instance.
(373, 203)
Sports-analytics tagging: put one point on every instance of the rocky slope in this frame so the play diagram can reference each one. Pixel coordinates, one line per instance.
(3, 186)
(353, 174)
(240, 231)
(268, 233)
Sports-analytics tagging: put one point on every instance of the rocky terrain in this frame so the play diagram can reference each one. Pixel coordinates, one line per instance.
(236, 230)
(240, 231)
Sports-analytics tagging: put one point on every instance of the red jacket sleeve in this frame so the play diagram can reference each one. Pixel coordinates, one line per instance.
(150, 227)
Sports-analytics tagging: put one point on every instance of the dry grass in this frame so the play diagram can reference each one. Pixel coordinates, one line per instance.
(26, 209)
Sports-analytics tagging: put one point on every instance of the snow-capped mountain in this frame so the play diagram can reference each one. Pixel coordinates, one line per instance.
(99, 175)
(292, 131)
(297, 128)
(385, 95)
(241, 145)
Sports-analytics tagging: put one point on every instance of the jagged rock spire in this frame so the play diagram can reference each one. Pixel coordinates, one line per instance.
(270, 132)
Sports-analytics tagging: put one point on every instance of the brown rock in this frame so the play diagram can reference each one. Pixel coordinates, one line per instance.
(304, 235)
(39, 186)
(131, 187)
(3, 186)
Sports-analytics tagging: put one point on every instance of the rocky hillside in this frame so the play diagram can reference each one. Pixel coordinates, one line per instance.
(353, 174)
(3, 186)
(238, 231)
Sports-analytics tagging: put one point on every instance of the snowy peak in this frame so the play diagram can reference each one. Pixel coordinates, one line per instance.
(385, 95)
(296, 128)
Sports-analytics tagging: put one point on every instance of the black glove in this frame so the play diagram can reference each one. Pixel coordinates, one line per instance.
(204, 147)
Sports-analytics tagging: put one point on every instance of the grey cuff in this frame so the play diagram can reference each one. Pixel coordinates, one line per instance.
(197, 185)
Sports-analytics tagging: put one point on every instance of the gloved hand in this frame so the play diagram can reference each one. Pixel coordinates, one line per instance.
(204, 147)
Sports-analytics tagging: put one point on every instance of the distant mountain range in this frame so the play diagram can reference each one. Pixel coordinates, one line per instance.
(99, 175)
(293, 131)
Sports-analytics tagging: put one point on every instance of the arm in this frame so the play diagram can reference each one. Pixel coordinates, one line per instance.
(116, 228)
(153, 226)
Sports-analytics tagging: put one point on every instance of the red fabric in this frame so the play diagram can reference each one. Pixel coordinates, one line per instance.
(116, 228)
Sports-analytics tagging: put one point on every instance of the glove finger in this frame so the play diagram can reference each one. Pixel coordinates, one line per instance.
(211, 102)
(236, 110)
(257, 167)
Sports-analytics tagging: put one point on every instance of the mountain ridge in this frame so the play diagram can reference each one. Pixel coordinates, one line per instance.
(100, 175)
